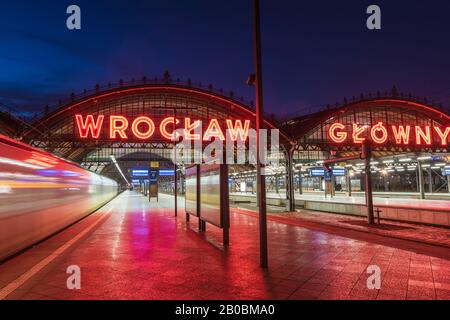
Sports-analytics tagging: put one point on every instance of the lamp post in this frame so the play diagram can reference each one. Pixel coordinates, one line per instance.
(175, 160)
(260, 177)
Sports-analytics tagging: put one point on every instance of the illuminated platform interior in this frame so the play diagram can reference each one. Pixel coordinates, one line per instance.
(135, 249)
(106, 136)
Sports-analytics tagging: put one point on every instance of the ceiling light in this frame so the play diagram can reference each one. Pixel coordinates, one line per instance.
(118, 168)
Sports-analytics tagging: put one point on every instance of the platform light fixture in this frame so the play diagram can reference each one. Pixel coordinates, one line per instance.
(113, 159)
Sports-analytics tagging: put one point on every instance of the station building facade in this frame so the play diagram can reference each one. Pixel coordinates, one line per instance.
(410, 137)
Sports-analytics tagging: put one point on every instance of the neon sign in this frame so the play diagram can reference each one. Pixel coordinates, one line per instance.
(380, 133)
(143, 128)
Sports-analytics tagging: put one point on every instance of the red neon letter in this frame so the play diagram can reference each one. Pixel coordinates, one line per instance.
(401, 134)
(188, 127)
(114, 128)
(379, 127)
(443, 135)
(426, 136)
(237, 129)
(337, 137)
(89, 125)
(163, 125)
(213, 130)
(357, 131)
(139, 134)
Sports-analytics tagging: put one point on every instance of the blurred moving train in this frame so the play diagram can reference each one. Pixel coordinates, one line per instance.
(41, 194)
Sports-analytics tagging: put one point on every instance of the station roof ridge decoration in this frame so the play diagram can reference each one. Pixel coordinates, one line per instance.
(146, 82)
(229, 103)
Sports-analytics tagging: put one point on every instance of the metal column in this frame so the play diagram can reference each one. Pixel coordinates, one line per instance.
(225, 203)
(367, 154)
(430, 180)
(420, 180)
(290, 194)
(385, 182)
(349, 184)
(300, 181)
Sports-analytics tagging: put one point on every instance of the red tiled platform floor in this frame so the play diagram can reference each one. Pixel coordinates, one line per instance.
(141, 251)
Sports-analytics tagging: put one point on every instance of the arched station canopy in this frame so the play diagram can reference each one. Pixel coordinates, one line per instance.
(312, 132)
(57, 132)
(159, 99)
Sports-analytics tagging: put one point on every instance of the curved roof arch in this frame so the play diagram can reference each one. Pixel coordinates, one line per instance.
(55, 131)
(311, 129)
